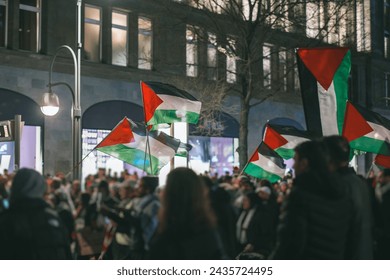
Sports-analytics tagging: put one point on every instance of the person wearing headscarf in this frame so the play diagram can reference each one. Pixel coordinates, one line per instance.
(30, 228)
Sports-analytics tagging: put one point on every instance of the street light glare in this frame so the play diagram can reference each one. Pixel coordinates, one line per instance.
(49, 110)
(50, 104)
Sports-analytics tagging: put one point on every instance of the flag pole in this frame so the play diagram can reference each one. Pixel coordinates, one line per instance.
(148, 150)
(242, 171)
(78, 164)
(369, 170)
(147, 146)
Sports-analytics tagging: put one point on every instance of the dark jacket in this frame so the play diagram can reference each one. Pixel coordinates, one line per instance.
(262, 229)
(314, 220)
(360, 243)
(204, 245)
(31, 229)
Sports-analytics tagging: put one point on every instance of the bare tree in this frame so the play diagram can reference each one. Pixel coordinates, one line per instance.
(256, 33)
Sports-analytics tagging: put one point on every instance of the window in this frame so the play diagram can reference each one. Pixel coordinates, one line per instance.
(231, 76)
(386, 51)
(145, 43)
(282, 70)
(363, 26)
(342, 24)
(248, 13)
(92, 33)
(3, 23)
(332, 23)
(119, 38)
(296, 79)
(314, 19)
(267, 66)
(212, 57)
(215, 6)
(191, 52)
(29, 22)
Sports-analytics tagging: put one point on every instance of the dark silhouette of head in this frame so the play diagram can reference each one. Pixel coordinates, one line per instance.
(311, 156)
(148, 185)
(338, 149)
(27, 184)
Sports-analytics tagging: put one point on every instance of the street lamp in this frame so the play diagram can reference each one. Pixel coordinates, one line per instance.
(50, 102)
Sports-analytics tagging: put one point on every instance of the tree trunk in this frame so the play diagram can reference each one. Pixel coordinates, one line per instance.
(243, 141)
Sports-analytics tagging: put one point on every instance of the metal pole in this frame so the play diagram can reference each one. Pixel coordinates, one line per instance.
(76, 125)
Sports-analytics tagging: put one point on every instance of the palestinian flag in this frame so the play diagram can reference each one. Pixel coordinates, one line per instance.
(382, 160)
(183, 150)
(366, 130)
(323, 75)
(165, 103)
(265, 163)
(283, 139)
(128, 142)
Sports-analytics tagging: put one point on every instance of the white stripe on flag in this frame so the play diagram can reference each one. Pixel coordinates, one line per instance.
(178, 103)
(157, 149)
(379, 133)
(268, 165)
(293, 141)
(328, 109)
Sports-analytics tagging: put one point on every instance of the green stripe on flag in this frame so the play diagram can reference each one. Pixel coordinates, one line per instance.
(171, 116)
(285, 153)
(367, 144)
(340, 82)
(256, 171)
(133, 156)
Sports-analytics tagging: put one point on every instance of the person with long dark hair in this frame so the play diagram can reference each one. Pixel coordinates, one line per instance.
(315, 216)
(187, 225)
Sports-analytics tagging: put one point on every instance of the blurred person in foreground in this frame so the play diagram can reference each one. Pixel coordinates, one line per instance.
(315, 215)
(31, 229)
(360, 245)
(187, 228)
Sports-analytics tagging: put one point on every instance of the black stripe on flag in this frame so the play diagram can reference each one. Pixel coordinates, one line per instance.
(167, 89)
(164, 138)
(372, 116)
(311, 105)
(292, 131)
(266, 151)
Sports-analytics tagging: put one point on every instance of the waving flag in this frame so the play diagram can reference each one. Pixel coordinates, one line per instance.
(366, 130)
(323, 74)
(128, 142)
(165, 103)
(265, 164)
(283, 139)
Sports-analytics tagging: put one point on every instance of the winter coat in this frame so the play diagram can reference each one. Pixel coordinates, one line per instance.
(314, 221)
(360, 243)
(203, 245)
(31, 229)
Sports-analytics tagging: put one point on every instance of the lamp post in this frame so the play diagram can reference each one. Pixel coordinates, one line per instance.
(50, 101)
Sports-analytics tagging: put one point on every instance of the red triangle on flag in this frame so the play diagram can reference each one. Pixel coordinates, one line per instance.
(322, 62)
(254, 157)
(121, 134)
(355, 125)
(151, 101)
(382, 160)
(273, 139)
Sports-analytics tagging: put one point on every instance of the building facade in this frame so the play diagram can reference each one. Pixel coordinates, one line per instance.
(124, 42)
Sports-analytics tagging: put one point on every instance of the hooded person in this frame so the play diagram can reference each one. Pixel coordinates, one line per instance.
(31, 229)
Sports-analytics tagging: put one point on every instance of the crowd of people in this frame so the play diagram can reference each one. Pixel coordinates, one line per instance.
(326, 211)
